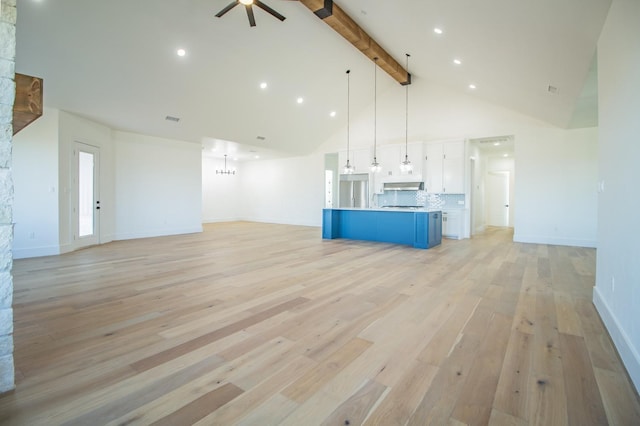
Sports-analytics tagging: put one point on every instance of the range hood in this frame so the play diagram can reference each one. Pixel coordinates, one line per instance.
(403, 186)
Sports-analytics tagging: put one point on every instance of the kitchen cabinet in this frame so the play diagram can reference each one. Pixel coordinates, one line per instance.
(390, 157)
(419, 229)
(435, 229)
(444, 167)
(452, 224)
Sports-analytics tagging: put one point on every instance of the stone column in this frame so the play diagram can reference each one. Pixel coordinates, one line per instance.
(7, 95)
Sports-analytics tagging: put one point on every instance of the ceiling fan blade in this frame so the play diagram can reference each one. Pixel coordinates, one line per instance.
(268, 9)
(228, 8)
(252, 19)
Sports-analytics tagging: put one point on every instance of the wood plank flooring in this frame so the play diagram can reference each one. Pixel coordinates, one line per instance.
(262, 324)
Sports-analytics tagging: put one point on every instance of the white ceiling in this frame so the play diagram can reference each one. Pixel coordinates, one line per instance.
(115, 62)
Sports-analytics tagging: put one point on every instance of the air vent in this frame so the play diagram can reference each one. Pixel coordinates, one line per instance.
(260, 138)
(171, 118)
(494, 140)
(553, 90)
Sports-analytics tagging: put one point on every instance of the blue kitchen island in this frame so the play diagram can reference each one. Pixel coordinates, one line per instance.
(418, 228)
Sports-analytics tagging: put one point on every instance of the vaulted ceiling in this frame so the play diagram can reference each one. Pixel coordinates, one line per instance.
(115, 62)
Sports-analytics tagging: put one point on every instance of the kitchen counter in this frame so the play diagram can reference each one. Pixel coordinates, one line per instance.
(392, 209)
(420, 228)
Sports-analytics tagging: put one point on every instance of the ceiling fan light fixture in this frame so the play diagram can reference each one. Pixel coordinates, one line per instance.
(248, 4)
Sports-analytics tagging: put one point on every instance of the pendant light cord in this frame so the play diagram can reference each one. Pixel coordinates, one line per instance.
(375, 106)
(348, 107)
(406, 124)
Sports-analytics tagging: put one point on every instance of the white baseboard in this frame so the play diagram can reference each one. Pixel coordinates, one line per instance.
(556, 241)
(218, 220)
(25, 253)
(157, 233)
(283, 222)
(621, 340)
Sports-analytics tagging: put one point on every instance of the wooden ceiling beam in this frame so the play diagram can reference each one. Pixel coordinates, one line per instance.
(342, 23)
(27, 105)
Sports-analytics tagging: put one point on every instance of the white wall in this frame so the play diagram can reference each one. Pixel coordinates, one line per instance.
(618, 228)
(555, 186)
(35, 176)
(220, 192)
(158, 188)
(286, 190)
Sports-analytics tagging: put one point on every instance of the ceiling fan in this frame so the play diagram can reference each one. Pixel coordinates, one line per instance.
(248, 4)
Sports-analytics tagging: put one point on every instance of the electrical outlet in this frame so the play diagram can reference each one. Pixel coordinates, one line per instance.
(32, 235)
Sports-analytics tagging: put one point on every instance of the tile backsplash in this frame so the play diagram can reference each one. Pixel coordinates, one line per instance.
(419, 198)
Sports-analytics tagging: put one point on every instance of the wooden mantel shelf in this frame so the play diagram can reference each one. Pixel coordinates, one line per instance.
(27, 106)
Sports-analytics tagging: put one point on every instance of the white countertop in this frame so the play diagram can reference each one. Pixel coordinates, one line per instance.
(389, 209)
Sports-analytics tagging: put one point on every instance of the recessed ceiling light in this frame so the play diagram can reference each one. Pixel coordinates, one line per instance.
(181, 52)
(505, 155)
(332, 114)
(496, 144)
(472, 86)
(437, 31)
(256, 156)
(457, 61)
(263, 85)
(300, 100)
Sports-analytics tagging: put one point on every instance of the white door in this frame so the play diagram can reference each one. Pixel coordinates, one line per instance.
(498, 198)
(87, 196)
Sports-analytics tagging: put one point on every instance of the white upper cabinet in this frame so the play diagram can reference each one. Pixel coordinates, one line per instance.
(390, 157)
(444, 167)
(433, 168)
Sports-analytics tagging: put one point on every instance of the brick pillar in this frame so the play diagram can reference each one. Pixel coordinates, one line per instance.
(7, 95)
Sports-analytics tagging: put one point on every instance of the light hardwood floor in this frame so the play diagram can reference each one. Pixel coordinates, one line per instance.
(260, 324)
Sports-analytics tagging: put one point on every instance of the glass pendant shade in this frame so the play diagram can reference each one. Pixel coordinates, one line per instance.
(406, 166)
(348, 169)
(375, 166)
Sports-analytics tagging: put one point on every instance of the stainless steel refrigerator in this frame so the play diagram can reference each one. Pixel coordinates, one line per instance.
(354, 190)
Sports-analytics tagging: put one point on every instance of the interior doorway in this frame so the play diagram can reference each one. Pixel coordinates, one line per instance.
(492, 182)
(86, 205)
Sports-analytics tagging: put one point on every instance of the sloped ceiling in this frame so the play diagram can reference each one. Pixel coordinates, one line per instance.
(115, 62)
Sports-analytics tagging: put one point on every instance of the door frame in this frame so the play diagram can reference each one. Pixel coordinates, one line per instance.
(95, 238)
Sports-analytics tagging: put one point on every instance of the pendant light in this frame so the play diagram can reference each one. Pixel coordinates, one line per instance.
(225, 171)
(406, 166)
(375, 166)
(348, 168)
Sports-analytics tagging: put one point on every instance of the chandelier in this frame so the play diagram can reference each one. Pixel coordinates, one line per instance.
(225, 171)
